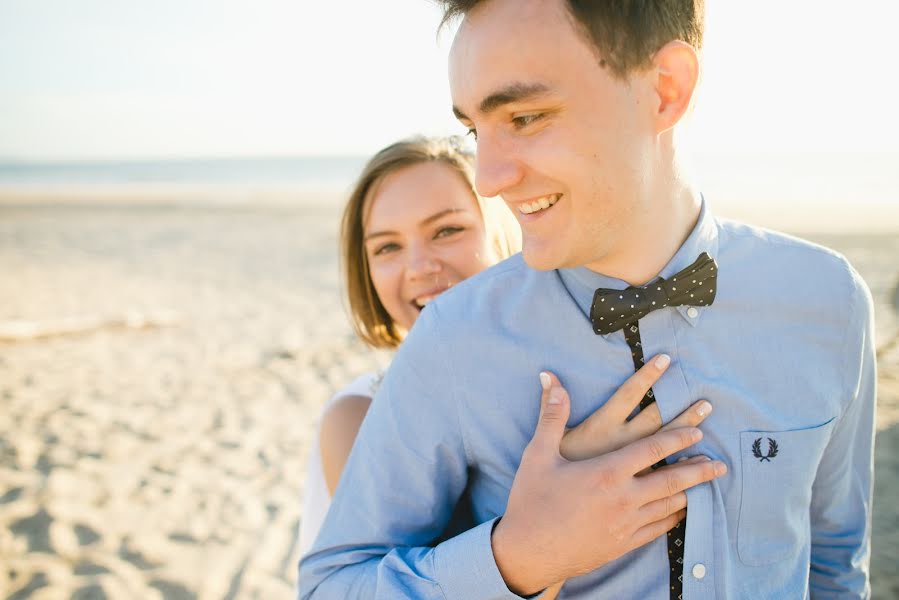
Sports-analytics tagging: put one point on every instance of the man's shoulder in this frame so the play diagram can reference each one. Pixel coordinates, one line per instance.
(506, 283)
(768, 241)
(469, 319)
(806, 266)
(511, 269)
(503, 300)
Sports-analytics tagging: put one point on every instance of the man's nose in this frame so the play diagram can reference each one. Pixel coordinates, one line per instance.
(496, 167)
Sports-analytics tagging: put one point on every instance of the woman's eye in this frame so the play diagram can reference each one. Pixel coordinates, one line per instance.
(386, 249)
(472, 132)
(447, 231)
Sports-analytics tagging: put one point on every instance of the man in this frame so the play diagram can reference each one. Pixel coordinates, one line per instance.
(575, 105)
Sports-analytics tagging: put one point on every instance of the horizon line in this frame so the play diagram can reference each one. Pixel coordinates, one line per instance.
(61, 160)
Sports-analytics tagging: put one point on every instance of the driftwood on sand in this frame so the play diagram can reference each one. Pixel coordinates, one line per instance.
(18, 330)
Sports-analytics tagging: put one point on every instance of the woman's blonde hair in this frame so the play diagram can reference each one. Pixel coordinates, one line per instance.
(370, 319)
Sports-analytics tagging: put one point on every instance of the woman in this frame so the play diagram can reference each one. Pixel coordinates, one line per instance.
(412, 228)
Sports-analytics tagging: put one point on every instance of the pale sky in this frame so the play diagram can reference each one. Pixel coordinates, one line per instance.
(119, 79)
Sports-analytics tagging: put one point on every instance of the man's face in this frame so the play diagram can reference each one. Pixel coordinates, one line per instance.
(565, 143)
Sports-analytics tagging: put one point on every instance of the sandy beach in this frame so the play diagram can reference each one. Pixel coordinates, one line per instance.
(161, 369)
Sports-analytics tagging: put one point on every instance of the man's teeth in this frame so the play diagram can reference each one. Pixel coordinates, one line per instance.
(539, 204)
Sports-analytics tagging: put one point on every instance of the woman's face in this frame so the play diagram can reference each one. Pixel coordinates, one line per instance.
(423, 234)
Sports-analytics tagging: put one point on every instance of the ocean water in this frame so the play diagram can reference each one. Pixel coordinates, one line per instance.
(838, 193)
(315, 171)
(869, 178)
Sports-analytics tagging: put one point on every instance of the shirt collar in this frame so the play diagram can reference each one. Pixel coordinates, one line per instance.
(581, 282)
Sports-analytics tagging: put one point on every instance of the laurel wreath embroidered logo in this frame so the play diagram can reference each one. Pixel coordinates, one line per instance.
(757, 450)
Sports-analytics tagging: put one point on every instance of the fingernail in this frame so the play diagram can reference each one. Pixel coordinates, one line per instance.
(662, 361)
(720, 469)
(555, 396)
(704, 408)
(545, 381)
(683, 458)
(696, 435)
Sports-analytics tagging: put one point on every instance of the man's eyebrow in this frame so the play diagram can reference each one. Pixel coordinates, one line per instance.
(514, 92)
(435, 217)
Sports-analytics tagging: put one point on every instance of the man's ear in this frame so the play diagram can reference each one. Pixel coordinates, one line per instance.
(676, 65)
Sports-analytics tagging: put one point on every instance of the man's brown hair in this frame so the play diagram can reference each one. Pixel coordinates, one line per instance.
(625, 33)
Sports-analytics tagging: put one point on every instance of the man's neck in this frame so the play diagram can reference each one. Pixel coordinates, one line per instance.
(654, 240)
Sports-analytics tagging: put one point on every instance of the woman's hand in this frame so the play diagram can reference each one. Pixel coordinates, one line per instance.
(608, 429)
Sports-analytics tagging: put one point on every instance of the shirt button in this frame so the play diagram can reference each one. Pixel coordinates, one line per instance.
(692, 313)
(699, 571)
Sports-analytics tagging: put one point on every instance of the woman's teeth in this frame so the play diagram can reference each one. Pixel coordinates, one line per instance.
(538, 204)
(423, 301)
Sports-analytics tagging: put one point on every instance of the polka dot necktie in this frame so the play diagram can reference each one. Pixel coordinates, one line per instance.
(622, 309)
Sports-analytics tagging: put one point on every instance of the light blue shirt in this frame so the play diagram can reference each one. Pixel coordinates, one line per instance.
(784, 354)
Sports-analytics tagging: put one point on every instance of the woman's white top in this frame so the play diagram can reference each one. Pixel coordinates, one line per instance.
(316, 498)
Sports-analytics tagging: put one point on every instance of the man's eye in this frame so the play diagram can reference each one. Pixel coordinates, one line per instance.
(525, 120)
(386, 249)
(447, 231)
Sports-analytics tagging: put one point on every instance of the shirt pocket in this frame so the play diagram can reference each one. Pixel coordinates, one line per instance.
(779, 469)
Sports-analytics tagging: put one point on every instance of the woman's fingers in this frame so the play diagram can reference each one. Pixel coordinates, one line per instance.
(665, 507)
(607, 429)
(691, 417)
(649, 420)
(647, 533)
(627, 398)
(646, 422)
(554, 413)
(677, 477)
(688, 460)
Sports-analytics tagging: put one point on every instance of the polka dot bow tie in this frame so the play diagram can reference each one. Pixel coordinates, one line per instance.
(694, 286)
